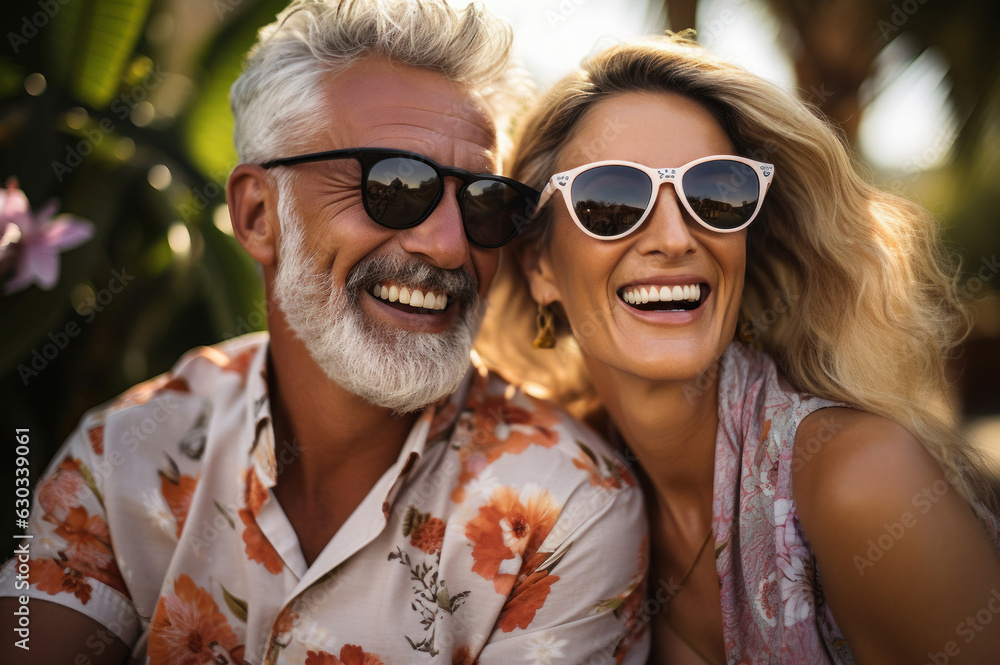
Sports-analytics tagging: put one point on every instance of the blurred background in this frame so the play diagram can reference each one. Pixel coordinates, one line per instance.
(118, 110)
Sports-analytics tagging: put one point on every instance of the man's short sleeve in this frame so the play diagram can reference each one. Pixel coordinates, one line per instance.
(68, 557)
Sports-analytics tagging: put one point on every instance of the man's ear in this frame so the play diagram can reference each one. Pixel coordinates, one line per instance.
(253, 205)
(537, 268)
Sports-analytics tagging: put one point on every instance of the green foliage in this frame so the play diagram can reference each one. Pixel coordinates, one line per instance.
(209, 130)
(80, 141)
(92, 43)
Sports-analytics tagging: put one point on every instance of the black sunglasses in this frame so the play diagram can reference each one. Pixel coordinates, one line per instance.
(401, 189)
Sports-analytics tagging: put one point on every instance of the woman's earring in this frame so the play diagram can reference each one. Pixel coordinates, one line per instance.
(546, 337)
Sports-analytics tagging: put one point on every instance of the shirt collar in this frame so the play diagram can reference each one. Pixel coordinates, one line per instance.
(433, 424)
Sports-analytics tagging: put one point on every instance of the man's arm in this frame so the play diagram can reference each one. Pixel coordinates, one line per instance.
(76, 592)
(909, 572)
(58, 636)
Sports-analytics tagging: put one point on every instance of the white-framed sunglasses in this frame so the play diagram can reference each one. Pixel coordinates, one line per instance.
(610, 199)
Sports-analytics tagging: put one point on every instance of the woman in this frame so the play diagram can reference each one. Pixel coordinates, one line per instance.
(845, 513)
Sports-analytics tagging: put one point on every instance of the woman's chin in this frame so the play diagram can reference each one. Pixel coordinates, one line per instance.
(671, 361)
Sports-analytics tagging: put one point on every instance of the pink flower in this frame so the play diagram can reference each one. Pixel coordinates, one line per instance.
(30, 243)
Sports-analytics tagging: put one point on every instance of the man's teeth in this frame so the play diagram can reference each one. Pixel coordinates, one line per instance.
(635, 295)
(414, 298)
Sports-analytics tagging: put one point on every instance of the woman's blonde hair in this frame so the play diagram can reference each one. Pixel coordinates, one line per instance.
(870, 296)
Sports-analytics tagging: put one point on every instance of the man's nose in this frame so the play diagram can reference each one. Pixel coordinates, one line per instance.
(440, 239)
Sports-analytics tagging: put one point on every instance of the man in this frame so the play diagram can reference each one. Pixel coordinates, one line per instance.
(346, 489)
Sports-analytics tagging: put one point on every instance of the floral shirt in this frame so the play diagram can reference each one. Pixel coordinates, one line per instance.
(505, 532)
(773, 606)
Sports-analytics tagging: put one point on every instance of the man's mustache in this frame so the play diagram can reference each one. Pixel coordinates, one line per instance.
(457, 283)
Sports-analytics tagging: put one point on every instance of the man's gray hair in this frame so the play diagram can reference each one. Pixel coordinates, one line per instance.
(276, 100)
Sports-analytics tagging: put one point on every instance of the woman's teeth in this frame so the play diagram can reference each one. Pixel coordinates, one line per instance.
(413, 298)
(636, 295)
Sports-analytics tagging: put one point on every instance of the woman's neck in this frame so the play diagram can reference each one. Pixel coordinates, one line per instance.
(671, 428)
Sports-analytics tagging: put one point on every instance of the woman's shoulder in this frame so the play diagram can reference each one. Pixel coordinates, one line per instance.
(850, 460)
(889, 529)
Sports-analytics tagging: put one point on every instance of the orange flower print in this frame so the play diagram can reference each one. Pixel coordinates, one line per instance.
(254, 494)
(258, 547)
(528, 595)
(87, 549)
(505, 528)
(350, 654)
(606, 472)
(178, 497)
(54, 577)
(189, 629)
(281, 633)
(464, 656)
(59, 492)
(426, 532)
(240, 363)
(286, 619)
(765, 431)
(96, 436)
(177, 384)
(88, 546)
(148, 390)
(83, 531)
(500, 426)
(429, 536)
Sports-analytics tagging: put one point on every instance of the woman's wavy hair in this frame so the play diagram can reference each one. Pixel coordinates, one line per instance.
(873, 307)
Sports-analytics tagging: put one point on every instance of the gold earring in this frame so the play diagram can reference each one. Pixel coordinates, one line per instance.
(545, 321)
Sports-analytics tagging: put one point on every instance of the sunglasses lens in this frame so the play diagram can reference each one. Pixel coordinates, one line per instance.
(610, 200)
(722, 193)
(401, 191)
(492, 212)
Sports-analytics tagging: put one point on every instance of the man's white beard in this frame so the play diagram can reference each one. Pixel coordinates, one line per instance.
(393, 367)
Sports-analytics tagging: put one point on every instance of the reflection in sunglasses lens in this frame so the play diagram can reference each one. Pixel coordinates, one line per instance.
(610, 200)
(723, 193)
(492, 212)
(400, 191)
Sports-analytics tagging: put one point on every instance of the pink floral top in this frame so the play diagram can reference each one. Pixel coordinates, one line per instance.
(773, 606)
(505, 532)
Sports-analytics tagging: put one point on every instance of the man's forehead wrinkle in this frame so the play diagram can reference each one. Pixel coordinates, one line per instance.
(480, 159)
(444, 124)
